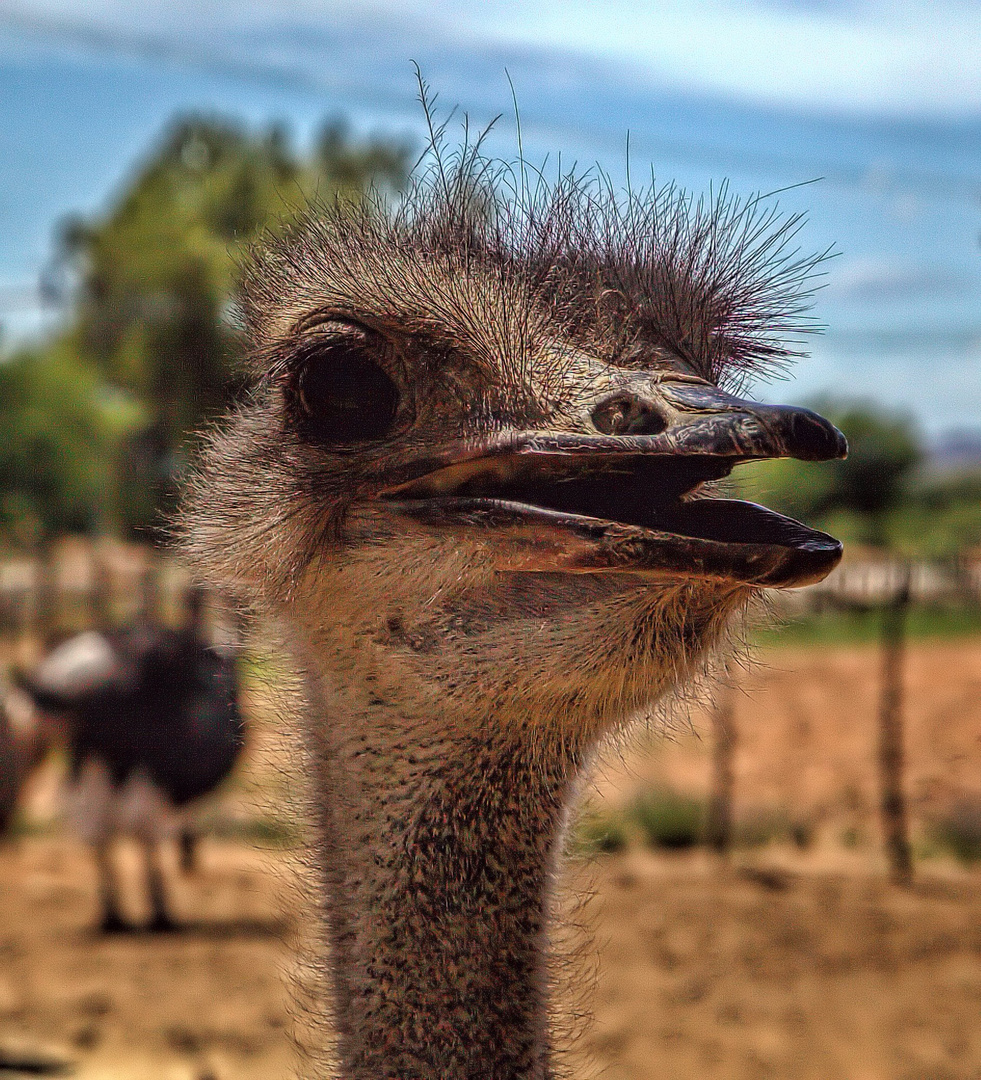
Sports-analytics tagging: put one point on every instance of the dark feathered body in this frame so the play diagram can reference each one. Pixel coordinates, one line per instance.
(168, 707)
(9, 770)
(24, 742)
(152, 721)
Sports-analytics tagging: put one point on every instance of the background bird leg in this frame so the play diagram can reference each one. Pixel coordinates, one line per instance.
(187, 841)
(112, 921)
(160, 919)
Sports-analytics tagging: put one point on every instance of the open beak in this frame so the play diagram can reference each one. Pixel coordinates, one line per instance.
(633, 503)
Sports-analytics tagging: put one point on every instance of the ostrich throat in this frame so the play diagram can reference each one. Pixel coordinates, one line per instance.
(441, 809)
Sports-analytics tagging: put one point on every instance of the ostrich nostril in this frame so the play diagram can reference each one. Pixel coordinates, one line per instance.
(627, 414)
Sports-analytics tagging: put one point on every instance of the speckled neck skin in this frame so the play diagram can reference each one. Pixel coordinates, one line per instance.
(438, 861)
(450, 716)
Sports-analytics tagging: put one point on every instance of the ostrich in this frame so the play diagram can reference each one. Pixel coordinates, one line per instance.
(152, 721)
(9, 769)
(473, 484)
(23, 744)
(11, 765)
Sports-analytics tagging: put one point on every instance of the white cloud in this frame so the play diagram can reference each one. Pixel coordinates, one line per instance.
(894, 56)
(865, 55)
(876, 279)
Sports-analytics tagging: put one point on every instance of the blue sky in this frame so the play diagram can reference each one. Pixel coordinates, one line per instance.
(881, 100)
(880, 56)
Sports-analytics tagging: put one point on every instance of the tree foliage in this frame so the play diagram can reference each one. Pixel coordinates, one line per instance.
(151, 284)
(883, 449)
(60, 430)
(879, 494)
(941, 516)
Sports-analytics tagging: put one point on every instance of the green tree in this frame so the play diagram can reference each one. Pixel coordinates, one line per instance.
(857, 495)
(60, 430)
(153, 279)
(941, 516)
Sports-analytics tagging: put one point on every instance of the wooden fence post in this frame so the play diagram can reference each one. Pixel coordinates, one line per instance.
(44, 613)
(149, 588)
(719, 823)
(195, 609)
(892, 758)
(101, 594)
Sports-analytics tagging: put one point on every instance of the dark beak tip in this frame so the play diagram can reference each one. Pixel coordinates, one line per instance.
(783, 430)
(816, 439)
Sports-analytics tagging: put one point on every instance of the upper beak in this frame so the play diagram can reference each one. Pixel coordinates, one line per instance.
(675, 419)
(708, 420)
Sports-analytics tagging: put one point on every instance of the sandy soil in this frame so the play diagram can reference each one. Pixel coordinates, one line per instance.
(806, 741)
(804, 966)
(800, 976)
(209, 1002)
(701, 971)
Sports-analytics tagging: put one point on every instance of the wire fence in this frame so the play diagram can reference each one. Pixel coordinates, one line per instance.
(77, 585)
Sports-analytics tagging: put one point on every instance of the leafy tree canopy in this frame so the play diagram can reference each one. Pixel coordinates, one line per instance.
(152, 281)
(880, 494)
(59, 427)
(156, 275)
(859, 491)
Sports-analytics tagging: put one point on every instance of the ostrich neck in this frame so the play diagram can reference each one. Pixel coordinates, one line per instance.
(438, 854)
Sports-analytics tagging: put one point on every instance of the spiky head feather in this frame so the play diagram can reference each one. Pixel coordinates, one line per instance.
(718, 282)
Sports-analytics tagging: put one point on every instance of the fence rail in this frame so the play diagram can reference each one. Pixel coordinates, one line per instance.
(873, 582)
(77, 585)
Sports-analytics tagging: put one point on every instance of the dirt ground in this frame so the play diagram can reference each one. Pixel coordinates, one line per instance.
(209, 1002)
(700, 971)
(805, 734)
(783, 964)
(792, 976)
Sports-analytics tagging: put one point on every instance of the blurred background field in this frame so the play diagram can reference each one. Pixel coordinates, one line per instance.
(757, 912)
(791, 955)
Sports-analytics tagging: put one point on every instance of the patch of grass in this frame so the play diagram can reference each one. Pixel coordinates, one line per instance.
(864, 627)
(263, 831)
(959, 831)
(660, 819)
(767, 826)
(262, 668)
(852, 838)
(666, 819)
(599, 832)
(23, 825)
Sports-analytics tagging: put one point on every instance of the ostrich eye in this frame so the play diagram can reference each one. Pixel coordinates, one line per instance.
(344, 397)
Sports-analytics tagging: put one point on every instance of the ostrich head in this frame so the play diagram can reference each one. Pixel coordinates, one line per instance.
(481, 457)
(476, 482)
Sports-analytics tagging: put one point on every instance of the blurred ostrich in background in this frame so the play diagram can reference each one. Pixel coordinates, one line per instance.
(476, 487)
(9, 769)
(151, 719)
(23, 745)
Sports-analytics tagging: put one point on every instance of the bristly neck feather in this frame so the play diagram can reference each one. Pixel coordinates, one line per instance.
(438, 855)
